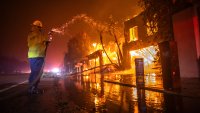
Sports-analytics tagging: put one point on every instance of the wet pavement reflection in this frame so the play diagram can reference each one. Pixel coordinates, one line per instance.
(91, 93)
(94, 94)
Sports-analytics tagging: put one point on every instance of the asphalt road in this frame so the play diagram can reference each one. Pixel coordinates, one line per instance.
(86, 94)
(15, 99)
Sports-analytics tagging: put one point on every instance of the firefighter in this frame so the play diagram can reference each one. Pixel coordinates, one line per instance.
(37, 44)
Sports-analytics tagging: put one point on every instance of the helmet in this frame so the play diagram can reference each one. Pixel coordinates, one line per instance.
(37, 23)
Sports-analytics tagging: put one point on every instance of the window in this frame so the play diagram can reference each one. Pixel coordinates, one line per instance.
(151, 28)
(133, 33)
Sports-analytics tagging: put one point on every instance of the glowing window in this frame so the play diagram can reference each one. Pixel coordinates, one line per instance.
(151, 31)
(133, 33)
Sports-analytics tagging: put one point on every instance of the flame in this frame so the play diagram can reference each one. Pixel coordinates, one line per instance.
(150, 56)
(100, 26)
(111, 53)
(147, 53)
(94, 45)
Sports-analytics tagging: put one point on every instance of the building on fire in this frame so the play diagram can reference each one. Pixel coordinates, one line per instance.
(184, 49)
(183, 52)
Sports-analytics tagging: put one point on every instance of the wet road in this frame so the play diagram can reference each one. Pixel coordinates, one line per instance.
(89, 94)
(117, 98)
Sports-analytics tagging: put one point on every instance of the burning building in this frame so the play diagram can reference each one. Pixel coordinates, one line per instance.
(178, 54)
(169, 57)
(138, 43)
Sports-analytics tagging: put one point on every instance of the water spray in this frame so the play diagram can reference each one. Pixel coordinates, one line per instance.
(90, 21)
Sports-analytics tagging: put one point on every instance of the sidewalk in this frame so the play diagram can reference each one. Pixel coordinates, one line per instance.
(190, 86)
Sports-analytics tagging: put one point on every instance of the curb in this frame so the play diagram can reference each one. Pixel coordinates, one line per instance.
(154, 89)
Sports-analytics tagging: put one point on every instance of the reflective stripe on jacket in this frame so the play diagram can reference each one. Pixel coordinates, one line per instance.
(36, 45)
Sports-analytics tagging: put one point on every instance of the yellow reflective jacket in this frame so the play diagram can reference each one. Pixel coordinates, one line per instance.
(36, 44)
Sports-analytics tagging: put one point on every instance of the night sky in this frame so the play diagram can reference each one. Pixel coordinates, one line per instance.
(17, 15)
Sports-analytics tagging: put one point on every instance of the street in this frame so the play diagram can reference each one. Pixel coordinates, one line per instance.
(86, 94)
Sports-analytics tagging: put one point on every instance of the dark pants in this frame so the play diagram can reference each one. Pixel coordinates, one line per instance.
(36, 65)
